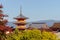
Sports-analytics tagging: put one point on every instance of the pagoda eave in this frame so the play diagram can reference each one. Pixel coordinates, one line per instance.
(20, 18)
(1, 6)
(5, 15)
(2, 15)
(20, 23)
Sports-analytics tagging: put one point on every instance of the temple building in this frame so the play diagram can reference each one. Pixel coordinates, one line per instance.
(21, 20)
(56, 27)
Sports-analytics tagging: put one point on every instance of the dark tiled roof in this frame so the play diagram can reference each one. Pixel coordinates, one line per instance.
(3, 15)
(21, 16)
(1, 11)
(1, 6)
(56, 25)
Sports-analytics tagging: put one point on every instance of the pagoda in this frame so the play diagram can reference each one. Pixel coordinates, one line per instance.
(1, 13)
(21, 20)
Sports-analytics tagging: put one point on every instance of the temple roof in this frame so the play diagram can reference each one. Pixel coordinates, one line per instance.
(1, 6)
(56, 25)
(21, 15)
(3, 15)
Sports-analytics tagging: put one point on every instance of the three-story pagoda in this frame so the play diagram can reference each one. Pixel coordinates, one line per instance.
(21, 20)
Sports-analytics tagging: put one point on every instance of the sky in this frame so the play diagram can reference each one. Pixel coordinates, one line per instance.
(35, 10)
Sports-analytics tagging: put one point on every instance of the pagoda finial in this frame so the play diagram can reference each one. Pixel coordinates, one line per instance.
(20, 10)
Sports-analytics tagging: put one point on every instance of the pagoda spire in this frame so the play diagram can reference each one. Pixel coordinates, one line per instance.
(21, 20)
(20, 10)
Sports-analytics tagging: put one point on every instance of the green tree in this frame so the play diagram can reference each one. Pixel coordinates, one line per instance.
(34, 34)
(48, 36)
(14, 36)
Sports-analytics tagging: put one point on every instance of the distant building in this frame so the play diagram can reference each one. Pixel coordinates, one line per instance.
(56, 27)
(21, 21)
(40, 25)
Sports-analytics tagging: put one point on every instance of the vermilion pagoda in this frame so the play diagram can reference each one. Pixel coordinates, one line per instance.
(21, 20)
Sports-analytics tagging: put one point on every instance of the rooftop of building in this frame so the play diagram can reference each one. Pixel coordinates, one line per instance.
(21, 16)
(56, 25)
(1, 6)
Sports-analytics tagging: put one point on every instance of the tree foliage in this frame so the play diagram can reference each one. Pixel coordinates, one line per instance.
(31, 35)
(2, 23)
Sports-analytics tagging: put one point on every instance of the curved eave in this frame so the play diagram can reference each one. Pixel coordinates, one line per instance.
(20, 23)
(1, 6)
(20, 18)
(3, 15)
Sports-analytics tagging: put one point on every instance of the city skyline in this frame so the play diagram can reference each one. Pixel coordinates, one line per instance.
(34, 9)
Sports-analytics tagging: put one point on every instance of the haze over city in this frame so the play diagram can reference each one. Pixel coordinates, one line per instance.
(34, 9)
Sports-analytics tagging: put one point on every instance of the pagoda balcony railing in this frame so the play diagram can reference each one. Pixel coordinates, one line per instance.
(22, 21)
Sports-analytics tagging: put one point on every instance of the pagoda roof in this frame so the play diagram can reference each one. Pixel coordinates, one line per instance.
(1, 6)
(3, 15)
(21, 16)
(19, 23)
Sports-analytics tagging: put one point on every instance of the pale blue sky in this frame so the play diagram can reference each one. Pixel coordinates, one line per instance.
(34, 9)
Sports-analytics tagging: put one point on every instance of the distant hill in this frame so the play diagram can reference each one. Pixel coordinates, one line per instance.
(48, 22)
